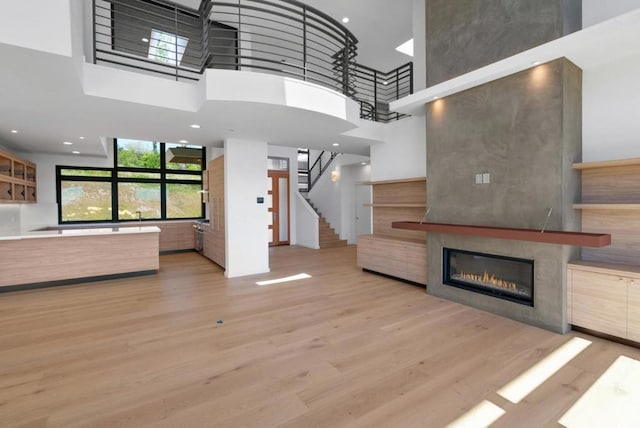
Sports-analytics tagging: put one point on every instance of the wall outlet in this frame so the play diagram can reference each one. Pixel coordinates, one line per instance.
(486, 178)
(478, 178)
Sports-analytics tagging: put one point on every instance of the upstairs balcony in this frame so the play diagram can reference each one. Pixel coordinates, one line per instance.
(281, 37)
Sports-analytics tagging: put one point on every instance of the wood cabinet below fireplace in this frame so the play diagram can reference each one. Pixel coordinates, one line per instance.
(402, 258)
(605, 298)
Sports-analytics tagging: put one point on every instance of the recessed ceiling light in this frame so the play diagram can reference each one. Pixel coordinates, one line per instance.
(82, 138)
(406, 48)
(67, 143)
(195, 126)
(75, 152)
(183, 141)
(144, 39)
(435, 98)
(385, 83)
(335, 144)
(345, 19)
(536, 63)
(363, 163)
(14, 131)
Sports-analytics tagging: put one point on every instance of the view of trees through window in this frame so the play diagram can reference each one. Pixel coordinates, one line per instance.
(149, 181)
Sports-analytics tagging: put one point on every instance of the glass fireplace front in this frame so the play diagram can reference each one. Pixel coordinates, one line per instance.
(503, 277)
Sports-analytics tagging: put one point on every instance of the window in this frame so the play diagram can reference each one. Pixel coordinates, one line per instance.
(84, 195)
(166, 47)
(149, 181)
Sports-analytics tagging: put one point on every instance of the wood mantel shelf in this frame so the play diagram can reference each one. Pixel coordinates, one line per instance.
(533, 235)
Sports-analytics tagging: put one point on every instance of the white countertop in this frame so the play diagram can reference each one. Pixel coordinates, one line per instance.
(66, 233)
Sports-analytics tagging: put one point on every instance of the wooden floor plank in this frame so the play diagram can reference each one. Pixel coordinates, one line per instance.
(342, 348)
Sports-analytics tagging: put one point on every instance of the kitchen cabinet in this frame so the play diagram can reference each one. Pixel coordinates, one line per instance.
(17, 180)
(214, 233)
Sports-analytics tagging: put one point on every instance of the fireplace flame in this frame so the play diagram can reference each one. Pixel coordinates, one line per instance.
(489, 279)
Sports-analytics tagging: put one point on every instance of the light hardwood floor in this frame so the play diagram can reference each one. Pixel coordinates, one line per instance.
(343, 348)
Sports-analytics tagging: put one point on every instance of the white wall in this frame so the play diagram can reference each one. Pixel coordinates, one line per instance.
(9, 219)
(45, 211)
(246, 233)
(595, 11)
(404, 152)
(308, 233)
(43, 25)
(350, 175)
(292, 154)
(611, 106)
(327, 195)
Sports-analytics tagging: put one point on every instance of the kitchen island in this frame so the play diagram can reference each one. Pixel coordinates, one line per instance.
(53, 257)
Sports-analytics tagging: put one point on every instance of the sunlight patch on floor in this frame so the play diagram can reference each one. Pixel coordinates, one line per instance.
(285, 279)
(613, 400)
(528, 381)
(482, 415)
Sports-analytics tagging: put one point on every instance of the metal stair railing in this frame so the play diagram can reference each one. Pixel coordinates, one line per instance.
(320, 166)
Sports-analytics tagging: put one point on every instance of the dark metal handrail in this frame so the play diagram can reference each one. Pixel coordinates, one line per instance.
(320, 166)
(375, 90)
(284, 37)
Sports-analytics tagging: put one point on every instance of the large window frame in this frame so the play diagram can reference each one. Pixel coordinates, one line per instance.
(116, 179)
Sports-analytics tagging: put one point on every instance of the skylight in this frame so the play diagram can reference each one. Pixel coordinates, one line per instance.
(164, 48)
(406, 48)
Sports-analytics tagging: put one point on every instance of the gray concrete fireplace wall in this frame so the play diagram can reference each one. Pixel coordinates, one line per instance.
(525, 132)
(464, 35)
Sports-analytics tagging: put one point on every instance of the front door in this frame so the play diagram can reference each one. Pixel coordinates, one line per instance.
(278, 199)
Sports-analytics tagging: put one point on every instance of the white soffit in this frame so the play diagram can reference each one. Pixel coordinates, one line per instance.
(591, 47)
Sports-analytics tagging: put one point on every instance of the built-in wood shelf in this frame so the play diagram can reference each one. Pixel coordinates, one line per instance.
(396, 181)
(396, 205)
(607, 206)
(532, 235)
(607, 164)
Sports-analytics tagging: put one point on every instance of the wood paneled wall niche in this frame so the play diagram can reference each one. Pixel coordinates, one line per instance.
(399, 253)
(605, 284)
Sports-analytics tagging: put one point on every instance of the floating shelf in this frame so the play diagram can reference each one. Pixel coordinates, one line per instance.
(607, 164)
(400, 180)
(606, 206)
(533, 235)
(396, 205)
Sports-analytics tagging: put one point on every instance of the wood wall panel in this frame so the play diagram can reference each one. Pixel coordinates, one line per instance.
(624, 227)
(383, 217)
(618, 184)
(400, 193)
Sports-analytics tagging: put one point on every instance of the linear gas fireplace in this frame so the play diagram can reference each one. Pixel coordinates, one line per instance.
(498, 276)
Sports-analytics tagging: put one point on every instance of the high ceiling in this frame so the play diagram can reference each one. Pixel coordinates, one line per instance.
(51, 107)
(379, 25)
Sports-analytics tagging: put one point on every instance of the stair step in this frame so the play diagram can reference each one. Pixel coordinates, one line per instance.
(334, 244)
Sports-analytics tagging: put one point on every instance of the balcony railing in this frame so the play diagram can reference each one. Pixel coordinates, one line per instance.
(375, 90)
(283, 37)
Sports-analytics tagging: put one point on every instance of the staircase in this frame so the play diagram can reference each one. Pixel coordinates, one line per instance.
(328, 237)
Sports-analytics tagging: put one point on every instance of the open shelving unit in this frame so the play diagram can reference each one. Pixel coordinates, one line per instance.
(17, 180)
(604, 285)
(398, 253)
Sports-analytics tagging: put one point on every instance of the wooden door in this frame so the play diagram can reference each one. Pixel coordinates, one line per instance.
(278, 207)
